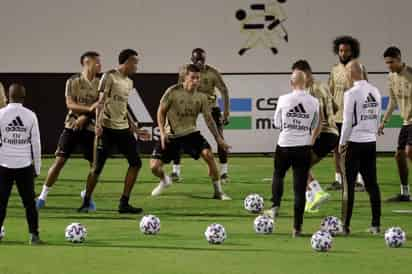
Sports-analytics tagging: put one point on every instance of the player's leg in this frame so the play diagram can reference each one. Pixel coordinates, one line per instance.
(25, 187)
(128, 146)
(401, 157)
(87, 142)
(368, 171)
(159, 158)
(351, 166)
(6, 184)
(300, 165)
(224, 168)
(176, 169)
(282, 163)
(337, 184)
(67, 143)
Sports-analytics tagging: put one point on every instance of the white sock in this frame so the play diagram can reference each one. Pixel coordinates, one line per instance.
(223, 169)
(217, 186)
(359, 179)
(404, 190)
(176, 169)
(44, 192)
(310, 196)
(315, 186)
(338, 178)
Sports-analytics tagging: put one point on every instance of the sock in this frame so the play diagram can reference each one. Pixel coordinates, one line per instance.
(124, 200)
(315, 186)
(176, 169)
(223, 169)
(309, 196)
(359, 179)
(405, 190)
(44, 192)
(338, 178)
(217, 186)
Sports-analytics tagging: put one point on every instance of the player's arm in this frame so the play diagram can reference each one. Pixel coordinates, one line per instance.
(348, 110)
(391, 107)
(210, 122)
(165, 103)
(134, 128)
(105, 86)
(3, 99)
(224, 92)
(331, 90)
(316, 124)
(36, 145)
(277, 118)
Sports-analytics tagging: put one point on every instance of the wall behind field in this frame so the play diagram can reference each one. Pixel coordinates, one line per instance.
(49, 35)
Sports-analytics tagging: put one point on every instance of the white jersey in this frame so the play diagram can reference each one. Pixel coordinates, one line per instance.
(361, 115)
(19, 138)
(297, 114)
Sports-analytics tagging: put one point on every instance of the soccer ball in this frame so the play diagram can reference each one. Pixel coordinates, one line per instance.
(332, 225)
(395, 237)
(321, 241)
(263, 225)
(150, 225)
(76, 233)
(2, 232)
(215, 234)
(254, 203)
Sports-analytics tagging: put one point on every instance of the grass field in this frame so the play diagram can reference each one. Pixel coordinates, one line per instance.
(115, 244)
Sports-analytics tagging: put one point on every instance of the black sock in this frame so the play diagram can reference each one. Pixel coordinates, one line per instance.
(124, 200)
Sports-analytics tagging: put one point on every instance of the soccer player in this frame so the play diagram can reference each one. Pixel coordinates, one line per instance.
(81, 101)
(114, 127)
(357, 144)
(3, 99)
(20, 157)
(400, 90)
(210, 79)
(327, 139)
(346, 48)
(297, 116)
(178, 111)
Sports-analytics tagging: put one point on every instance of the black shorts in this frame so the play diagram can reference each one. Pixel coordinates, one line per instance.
(192, 144)
(217, 116)
(123, 140)
(325, 143)
(405, 137)
(70, 139)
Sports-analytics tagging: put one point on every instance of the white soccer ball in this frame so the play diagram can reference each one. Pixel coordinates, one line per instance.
(254, 203)
(321, 241)
(76, 233)
(263, 225)
(215, 234)
(395, 237)
(332, 225)
(2, 232)
(150, 225)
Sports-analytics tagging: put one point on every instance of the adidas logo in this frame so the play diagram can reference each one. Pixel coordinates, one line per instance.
(370, 101)
(16, 125)
(298, 112)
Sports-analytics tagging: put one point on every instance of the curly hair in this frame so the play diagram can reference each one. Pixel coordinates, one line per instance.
(347, 40)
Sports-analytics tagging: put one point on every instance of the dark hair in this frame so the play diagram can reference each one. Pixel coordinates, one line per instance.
(192, 68)
(198, 50)
(347, 40)
(393, 52)
(125, 54)
(302, 65)
(90, 54)
(17, 92)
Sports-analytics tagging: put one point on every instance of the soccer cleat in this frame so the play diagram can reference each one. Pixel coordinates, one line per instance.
(222, 197)
(85, 207)
(35, 239)
(320, 198)
(175, 177)
(359, 187)
(127, 208)
(162, 186)
(272, 213)
(224, 178)
(374, 230)
(92, 206)
(296, 233)
(400, 198)
(345, 231)
(308, 208)
(334, 186)
(40, 203)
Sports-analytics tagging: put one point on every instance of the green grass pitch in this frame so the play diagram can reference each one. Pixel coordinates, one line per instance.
(115, 244)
